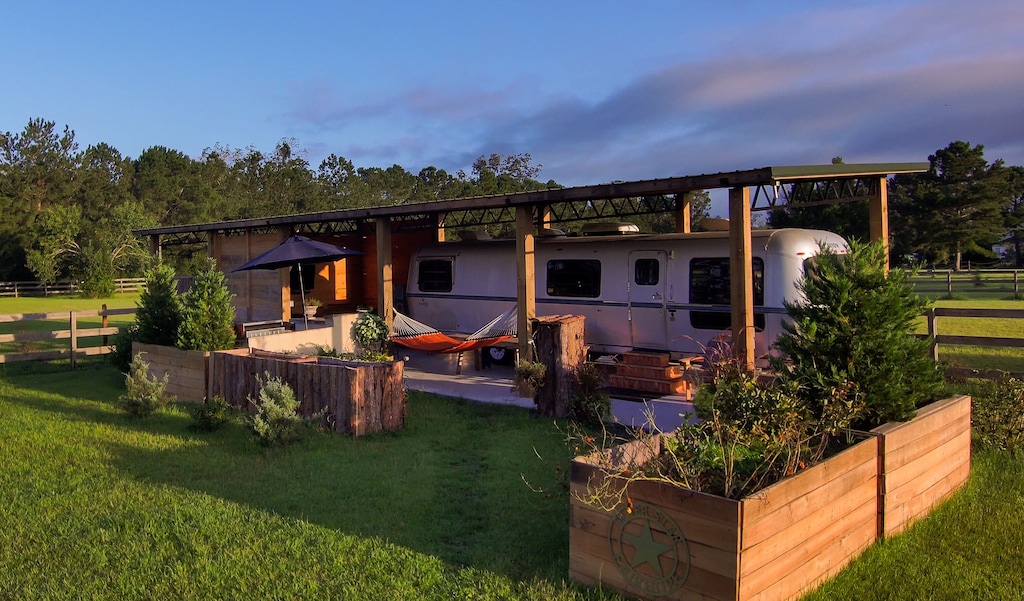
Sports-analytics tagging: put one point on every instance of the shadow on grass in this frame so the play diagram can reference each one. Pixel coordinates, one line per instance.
(450, 484)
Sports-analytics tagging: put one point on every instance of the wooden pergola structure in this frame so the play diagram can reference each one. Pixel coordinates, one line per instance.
(749, 191)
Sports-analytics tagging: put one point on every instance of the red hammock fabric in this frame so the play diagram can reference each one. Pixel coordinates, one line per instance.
(418, 336)
(442, 343)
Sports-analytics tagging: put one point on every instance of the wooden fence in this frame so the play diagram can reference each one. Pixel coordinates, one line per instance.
(934, 314)
(74, 335)
(19, 289)
(975, 283)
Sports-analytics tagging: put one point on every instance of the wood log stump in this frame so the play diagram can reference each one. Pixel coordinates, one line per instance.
(560, 348)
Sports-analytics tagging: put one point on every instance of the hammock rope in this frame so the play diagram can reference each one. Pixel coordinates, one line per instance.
(419, 336)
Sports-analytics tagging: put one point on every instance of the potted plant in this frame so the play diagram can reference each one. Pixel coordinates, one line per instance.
(528, 378)
(312, 306)
(371, 331)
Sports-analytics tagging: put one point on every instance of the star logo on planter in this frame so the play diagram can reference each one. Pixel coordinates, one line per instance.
(649, 549)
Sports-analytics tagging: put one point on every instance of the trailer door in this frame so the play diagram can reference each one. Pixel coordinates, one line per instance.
(647, 283)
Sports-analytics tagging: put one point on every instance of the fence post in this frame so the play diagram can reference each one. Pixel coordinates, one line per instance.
(1016, 290)
(105, 323)
(949, 283)
(933, 333)
(74, 340)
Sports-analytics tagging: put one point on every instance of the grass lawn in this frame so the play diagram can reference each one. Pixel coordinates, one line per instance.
(94, 505)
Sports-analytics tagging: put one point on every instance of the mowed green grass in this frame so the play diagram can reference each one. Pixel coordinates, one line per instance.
(94, 505)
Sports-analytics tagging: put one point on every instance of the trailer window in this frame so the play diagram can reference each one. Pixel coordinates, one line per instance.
(574, 277)
(646, 272)
(709, 285)
(435, 275)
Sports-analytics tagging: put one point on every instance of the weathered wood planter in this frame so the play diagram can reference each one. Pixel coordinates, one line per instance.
(681, 544)
(923, 461)
(188, 371)
(360, 397)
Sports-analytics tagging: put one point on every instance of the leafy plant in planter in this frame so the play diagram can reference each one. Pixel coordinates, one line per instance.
(590, 403)
(371, 332)
(207, 318)
(529, 378)
(856, 327)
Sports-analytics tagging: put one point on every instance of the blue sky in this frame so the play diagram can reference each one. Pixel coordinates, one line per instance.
(595, 91)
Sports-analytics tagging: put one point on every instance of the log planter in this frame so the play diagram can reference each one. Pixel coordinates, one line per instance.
(188, 372)
(359, 397)
(676, 543)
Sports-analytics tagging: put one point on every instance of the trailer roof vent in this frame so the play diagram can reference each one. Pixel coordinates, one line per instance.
(547, 232)
(609, 228)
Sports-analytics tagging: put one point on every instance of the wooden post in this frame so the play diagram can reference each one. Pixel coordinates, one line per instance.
(385, 283)
(543, 217)
(933, 332)
(949, 283)
(74, 339)
(526, 288)
(683, 211)
(879, 217)
(439, 223)
(741, 275)
(156, 248)
(105, 323)
(560, 348)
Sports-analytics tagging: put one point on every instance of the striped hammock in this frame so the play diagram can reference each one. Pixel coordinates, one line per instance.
(419, 336)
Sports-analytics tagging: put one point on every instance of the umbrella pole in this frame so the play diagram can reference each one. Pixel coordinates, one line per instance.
(302, 295)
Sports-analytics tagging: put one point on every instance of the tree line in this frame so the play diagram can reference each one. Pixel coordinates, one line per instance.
(956, 211)
(67, 213)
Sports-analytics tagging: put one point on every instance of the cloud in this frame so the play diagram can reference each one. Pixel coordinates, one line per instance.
(849, 82)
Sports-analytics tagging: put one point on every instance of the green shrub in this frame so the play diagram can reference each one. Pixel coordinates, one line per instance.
(528, 378)
(277, 421)
(207, 316)
(121, 347)
(590, 403)
(159, 308)
(210, 415)
(997, 414)
(144, 394)
(371, 332)
(854, 334)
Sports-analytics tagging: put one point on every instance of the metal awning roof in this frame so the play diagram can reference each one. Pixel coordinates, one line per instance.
(833, 183)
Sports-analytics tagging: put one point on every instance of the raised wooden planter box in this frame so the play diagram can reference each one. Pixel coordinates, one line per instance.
(188, 371)
(924, 461)
(360, 397)
(777, 544)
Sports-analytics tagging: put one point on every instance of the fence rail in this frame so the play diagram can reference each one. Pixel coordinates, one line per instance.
(26, 288)
(976, 282)
(74, 335)
(932, 317)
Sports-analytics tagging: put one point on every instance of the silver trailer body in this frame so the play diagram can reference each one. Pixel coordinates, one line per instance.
(666, 292)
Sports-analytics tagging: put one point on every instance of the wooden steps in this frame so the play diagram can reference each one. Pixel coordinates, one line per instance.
(651, 372)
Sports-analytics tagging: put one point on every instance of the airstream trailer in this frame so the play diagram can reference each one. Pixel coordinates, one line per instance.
(667, 292)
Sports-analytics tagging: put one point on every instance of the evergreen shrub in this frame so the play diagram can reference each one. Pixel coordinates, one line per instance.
(852, 337)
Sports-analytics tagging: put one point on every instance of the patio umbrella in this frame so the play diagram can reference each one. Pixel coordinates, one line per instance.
(297, 251)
